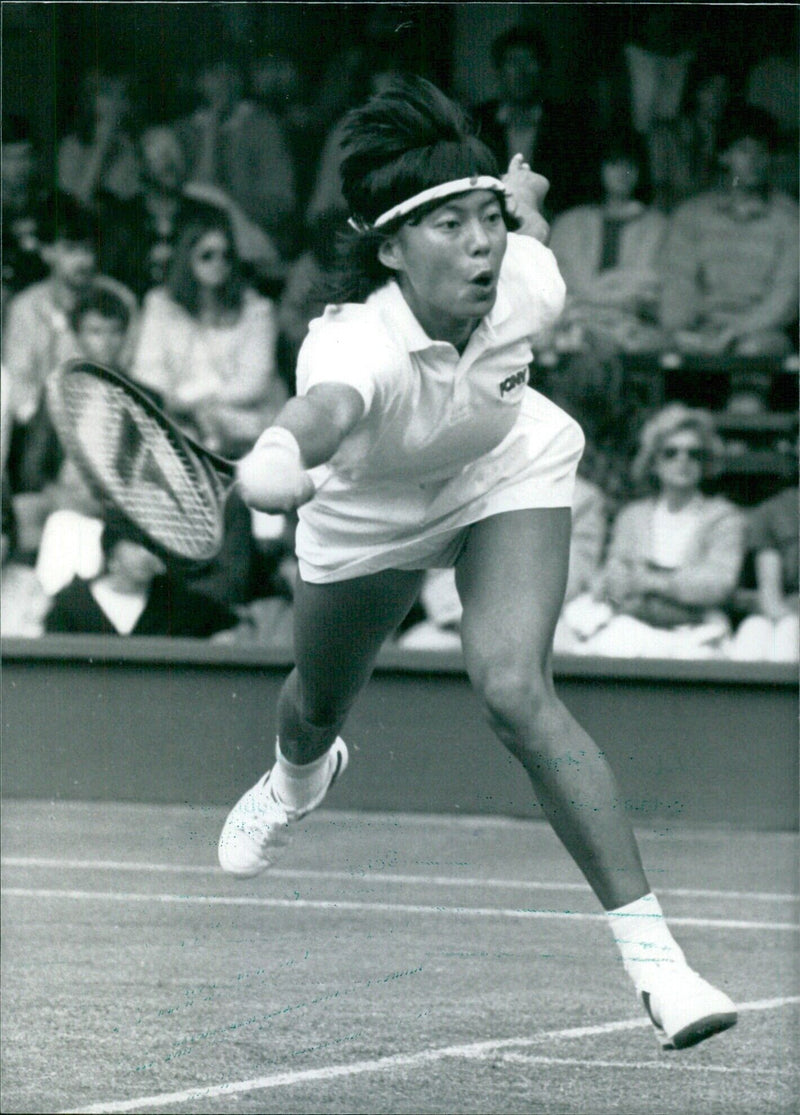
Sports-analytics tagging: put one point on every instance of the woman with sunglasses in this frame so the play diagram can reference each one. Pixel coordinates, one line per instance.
(675, 555)
(415, 442)
(207, 339)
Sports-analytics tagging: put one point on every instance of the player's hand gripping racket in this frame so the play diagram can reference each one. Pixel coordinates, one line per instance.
(170, 489)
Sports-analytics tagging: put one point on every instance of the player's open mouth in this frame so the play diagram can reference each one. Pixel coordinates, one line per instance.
(484, 281)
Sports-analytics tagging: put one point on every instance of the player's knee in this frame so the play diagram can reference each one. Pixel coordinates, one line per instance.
(516, 698)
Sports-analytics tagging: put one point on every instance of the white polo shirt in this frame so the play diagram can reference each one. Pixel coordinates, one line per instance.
(445, 439)
(429, 411)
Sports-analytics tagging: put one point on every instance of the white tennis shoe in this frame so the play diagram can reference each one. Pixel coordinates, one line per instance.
(257, 828)
(685, 1009)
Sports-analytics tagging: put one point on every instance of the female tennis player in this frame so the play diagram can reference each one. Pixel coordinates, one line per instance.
(415, 442)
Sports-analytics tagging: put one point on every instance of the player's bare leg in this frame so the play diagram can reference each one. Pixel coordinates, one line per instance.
(339, 630)
(511, 578)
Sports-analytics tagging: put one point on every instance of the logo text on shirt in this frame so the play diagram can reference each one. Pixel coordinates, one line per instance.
(512, 381)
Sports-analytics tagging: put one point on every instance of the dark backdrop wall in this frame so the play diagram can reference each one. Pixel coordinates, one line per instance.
(46, 46)
(585, 38)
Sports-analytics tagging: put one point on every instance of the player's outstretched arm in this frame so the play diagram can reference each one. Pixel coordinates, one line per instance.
(273, 476)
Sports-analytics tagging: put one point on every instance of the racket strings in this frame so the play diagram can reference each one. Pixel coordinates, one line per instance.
(143, 467)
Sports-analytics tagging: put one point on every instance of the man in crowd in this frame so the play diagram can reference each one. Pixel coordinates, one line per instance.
(730, 280)
(21, 194)
(37, 337)
(239, 146)
(524, 120)
(137, 236)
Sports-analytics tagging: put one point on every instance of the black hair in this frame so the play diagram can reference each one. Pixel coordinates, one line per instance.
(61, 217)
(744, 121)
(620, 143)
(196, 219)
(323, 234)
(16, 129)
(102, 301)
(530, 37)
(404, 140)
(84, 116)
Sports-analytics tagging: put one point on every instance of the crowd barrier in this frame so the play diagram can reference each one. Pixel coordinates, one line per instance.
(159, 720)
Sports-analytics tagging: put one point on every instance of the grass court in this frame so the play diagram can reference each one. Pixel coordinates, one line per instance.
(392, 963)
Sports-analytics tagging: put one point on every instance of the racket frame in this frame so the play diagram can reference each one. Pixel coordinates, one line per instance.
(218, 471)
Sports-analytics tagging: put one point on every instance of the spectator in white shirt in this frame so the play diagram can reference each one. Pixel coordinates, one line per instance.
(207, 339)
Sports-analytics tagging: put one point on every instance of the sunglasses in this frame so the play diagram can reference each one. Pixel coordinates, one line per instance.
(672, 452)
(211, 254)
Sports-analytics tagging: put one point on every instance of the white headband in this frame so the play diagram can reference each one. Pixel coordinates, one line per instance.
(444, 189)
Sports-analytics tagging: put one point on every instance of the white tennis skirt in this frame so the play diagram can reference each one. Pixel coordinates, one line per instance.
(350, 529)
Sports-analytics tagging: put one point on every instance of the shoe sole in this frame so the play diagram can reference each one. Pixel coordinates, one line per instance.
(695, 1032)
(699, 1031)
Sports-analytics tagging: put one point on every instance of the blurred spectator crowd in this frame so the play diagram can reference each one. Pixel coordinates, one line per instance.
(192, 253)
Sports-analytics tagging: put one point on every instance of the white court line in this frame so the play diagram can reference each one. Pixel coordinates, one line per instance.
(377, 877)
(671, 1064)
(373, 907)
(473, 1051)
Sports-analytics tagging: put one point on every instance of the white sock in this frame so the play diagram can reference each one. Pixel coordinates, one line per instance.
(298, 786)
(648, 948)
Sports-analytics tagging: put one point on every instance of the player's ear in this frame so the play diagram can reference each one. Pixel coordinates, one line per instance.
(390, 254)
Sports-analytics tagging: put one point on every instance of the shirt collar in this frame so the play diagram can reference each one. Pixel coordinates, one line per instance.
(408, 330)
(499, 311)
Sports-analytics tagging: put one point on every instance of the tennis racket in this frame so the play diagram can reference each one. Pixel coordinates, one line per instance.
(171, 490)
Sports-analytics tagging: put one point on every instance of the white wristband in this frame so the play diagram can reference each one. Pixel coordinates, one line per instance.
(272, 476)
(279, 436)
